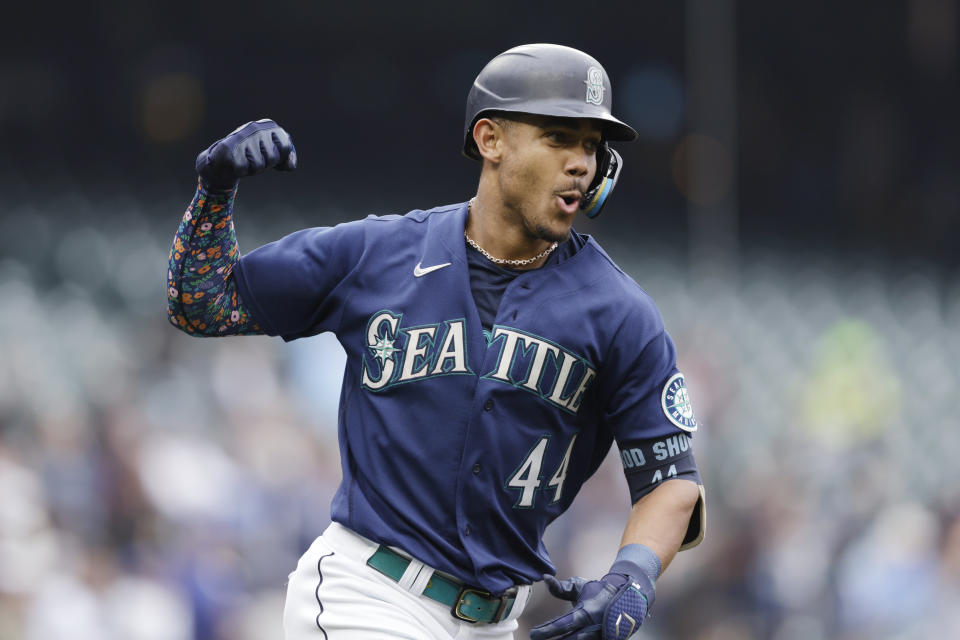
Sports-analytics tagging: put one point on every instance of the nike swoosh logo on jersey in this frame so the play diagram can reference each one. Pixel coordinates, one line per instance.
(419, 272)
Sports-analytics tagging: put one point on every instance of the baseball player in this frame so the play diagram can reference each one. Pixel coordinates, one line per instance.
(494, 355)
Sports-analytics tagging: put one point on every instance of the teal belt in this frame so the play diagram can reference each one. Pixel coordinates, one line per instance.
(465, 602)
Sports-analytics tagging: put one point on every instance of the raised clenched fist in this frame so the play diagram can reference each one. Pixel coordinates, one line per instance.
(248, 150)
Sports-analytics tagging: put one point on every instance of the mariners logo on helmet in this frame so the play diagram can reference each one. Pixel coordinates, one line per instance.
(676, 403)
(594, 84)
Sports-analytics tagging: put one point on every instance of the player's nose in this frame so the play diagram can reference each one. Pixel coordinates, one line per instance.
(578, 164)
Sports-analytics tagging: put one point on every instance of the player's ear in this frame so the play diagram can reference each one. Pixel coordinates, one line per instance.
(488, 135)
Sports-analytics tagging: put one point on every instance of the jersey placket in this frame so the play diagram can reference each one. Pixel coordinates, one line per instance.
(473, 488)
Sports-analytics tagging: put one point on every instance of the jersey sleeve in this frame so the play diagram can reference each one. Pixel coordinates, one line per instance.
(296, 287)
(651, 417)
(639, 372)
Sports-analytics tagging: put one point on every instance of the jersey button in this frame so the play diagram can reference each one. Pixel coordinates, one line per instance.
(488, 405)
(476, 468)
(466, 530)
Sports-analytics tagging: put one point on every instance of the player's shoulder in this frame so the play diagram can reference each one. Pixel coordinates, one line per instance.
(389, 227)
(415, 216)
(617, 282)
(610, 292)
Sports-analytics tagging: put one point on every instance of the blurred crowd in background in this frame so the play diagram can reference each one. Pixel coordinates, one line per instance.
(157, 486)
(154, 485)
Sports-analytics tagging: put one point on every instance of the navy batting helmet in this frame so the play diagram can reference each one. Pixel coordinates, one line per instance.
(551, 80)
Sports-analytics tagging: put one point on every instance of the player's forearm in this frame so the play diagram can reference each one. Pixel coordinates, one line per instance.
(660, 519)
(202, 297)
(618, 602)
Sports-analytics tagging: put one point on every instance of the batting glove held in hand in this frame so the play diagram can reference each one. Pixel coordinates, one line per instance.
(250, 149)
(611, 608)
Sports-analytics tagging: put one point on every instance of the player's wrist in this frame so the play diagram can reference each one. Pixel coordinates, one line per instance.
(641, 556)
(642, 565)
(213, 187)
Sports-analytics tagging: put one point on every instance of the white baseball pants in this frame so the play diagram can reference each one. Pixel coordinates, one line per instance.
(334, 595)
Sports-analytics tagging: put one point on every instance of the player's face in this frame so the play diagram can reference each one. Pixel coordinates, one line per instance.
(546, 167)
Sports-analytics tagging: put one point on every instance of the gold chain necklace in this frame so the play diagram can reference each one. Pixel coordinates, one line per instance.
(505, 261)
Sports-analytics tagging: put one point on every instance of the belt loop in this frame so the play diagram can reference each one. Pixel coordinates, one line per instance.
(410, 575)
(523, 594)
(422, 580)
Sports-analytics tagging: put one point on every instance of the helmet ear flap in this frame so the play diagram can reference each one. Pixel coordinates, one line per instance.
(609, 164)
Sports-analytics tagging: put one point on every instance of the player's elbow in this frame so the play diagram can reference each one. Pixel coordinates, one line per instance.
(680, 493)
(685, 493)
(195, 328)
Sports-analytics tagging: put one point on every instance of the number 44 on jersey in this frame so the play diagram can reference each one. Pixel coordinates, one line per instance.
(527, 477)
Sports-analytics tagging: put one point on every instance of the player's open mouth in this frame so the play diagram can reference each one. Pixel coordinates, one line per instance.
(569, 201)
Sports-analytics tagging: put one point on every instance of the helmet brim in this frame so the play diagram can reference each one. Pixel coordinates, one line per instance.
(613, 129)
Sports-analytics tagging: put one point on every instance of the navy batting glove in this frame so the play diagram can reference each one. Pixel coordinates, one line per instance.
(250, 149)
(611, 608)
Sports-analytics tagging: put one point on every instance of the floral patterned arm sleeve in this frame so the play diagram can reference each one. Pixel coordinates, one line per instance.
(202, 298)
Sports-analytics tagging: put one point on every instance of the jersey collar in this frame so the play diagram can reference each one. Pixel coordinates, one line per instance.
(444, 237)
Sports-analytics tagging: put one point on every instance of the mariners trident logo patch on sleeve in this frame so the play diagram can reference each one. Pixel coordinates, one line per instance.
(676, 403)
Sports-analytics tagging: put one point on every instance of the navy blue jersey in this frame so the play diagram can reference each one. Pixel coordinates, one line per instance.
(459, 444)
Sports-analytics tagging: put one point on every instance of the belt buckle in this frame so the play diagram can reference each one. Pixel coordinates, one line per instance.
(464, 591)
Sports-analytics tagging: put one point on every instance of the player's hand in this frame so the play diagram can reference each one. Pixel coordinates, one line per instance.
(250, 149)
(611, 608)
